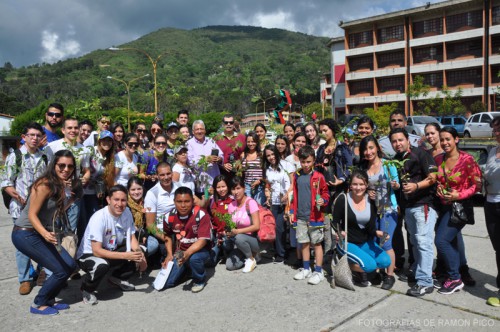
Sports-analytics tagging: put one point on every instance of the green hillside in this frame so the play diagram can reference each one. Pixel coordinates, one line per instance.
(218, 68)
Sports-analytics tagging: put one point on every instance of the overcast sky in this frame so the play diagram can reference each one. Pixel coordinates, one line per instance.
(34, 31)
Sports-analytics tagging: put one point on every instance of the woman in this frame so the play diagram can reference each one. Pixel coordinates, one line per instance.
(312, 135)
(299, 128)
(251, 161)
(459, 178)
(261, 132)
(363, 253)
(283, 145)
(431, 131)
(141, 131)
(245, 214)
(289, 132)
(102, 177)
(364, 127)
(181, 173)
(118, 131)
(299, 140)
(156, 128)
(126, 161)
(184, 131)
(34, 234)
(382, 181)
(278, 182)
(150, 159)
(492, 203)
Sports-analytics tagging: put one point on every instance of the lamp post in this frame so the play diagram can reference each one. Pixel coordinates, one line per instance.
(154, 62)
(127, 86)
(262, 102)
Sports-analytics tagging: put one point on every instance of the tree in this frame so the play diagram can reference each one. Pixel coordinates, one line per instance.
(381, 116)
(419, 91)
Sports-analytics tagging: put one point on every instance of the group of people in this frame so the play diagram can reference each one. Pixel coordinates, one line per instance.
(139, 200)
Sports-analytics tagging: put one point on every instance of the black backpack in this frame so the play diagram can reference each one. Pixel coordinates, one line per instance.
(19, 161)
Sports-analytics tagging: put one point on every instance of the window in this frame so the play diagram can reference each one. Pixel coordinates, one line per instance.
(446, 121)
(472, 19)
(485, 118)
(466, 76)
(463, 48)
(429, 53)
(390, 34)
(362, 62)
(391, 84)
(495, 15)
(360, 39)
(475, 118)
(391, 59)
(357, 87)
(428, 27)
(434, 80)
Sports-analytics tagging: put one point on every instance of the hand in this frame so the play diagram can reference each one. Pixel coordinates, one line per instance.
(43, 141)
(184, 258)
(165, 262)
(395, 185)
(135, 256)
(320, 201)
(255, 184)
(409, 188)
(371, 194)
(50, 237)
(451, 195)
(228, 167)
(380, 235)
(214, 159)
(234, 232)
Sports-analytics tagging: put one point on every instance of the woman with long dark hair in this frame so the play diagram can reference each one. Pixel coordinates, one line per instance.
(126, 161)
(36, 235)
(218, 207)
(431, 131)
(251, 161)
(312, 135)
(118, 132)
(299, 140)
(261, 132)
(151, 158)
(289, 132)
(364, 127)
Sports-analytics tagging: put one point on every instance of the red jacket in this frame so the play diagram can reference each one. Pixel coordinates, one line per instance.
(316, 217)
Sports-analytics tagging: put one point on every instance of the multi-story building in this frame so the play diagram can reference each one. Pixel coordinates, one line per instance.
(454, 43)
(337, 90)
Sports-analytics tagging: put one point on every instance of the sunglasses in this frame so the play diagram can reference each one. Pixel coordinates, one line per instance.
(105, 122)
(161, 143)
(132, 145)
(141, 130)
(228, 122)
(52, 114)
(62, 166)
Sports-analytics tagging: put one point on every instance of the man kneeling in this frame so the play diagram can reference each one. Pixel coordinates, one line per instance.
(187, 228)
(106, 244)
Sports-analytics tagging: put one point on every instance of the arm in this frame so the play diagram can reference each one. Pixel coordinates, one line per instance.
(151, 226)
(99, 251)
(254, 227)
(194, 248)
(168, 247)
(38, 196)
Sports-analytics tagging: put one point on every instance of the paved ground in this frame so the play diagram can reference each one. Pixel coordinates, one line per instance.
(267, 299)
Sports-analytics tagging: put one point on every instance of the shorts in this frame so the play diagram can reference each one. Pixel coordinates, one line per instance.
(309, 234)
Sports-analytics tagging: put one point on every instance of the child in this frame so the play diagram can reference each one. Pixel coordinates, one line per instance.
(307, 215)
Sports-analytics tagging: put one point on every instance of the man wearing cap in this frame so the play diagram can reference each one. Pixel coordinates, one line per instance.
(231, 143)
(102, 124)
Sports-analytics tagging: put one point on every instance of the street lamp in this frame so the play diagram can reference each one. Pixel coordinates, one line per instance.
(127, 86)
(154, 62)
(262, 102)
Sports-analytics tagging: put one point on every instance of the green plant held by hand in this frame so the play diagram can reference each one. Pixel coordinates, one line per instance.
(227, 218)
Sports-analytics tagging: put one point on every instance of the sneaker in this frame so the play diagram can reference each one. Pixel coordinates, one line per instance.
(402, 276)
(279, 260)
(438, 283)
(361, 279)
(197, 287)
(49, 311)
(451, 286)
(494, 301)
(89, 298)
(25, 287)
(316, 278)
(388, 282)
(250, 265)
(123, 284)
(419, 290)
(302, 274)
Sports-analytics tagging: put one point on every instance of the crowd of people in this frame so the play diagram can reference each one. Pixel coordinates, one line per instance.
(105, 200)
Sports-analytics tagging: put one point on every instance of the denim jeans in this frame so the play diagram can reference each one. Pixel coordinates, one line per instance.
(447, 243)
(23, 264)
(152, 245)
(279, 243)
(369, 255)
(61, 264)
(387, 224)
(421, 231)
(73, 213)
(196, 264)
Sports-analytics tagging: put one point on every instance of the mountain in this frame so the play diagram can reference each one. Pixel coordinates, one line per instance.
(216, 68)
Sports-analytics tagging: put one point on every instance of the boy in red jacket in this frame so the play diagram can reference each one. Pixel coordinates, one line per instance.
(310, 195)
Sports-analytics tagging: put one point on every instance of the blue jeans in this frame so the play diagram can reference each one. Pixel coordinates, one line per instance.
(152, 245)
(196, 264)
(279, 243)
(369, 256)
(421, 229)
(387, 224)
(447, 243)
(257, 193)
(73, 214)
(23, 264)
(61, 264)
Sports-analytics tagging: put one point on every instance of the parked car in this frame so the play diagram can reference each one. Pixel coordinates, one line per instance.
(478, 125)
(456, 121)
(415, 124)
(479, 152)
(271, 136)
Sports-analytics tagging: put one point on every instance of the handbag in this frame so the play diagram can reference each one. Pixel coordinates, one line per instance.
(65, 238)
(462, 213)
(342, 275)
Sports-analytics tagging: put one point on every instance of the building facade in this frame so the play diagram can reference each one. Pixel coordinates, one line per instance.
(453, 43)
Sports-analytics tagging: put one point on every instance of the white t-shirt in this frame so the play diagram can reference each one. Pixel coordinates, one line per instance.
(111, 231)
(186, 178)
(287, 166)
(81, 153)
(280, 183)
(127, 169)
(386, 146)
(160, 201)
(295, 163)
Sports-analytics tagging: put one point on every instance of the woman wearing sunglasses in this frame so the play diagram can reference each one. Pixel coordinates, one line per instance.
(156, 128)
(126, 161)
(151, 158)
(34, 235)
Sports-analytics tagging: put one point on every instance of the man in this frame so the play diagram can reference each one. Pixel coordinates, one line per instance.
(53, 119)
(231, 144)
(109, 241)
(102, 124)
(159, 201)
(85, 128)
(22, 168)
(182, 117)
(187, 235)
(397, 119)
(417, 186)
(199, 146)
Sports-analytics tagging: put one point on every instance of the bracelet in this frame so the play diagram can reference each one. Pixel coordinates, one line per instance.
(417, 186)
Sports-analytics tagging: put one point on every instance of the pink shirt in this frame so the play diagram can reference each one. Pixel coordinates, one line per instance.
(240, 215)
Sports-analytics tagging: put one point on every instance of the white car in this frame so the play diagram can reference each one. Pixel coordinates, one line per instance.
(478, 125)
(271, 136)
(416, 124)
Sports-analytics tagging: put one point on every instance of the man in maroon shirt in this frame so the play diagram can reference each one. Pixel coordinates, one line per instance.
(231, 143)
(187, 231)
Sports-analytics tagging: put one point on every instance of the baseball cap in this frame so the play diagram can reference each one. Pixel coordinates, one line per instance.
(172, 124)
(105, 133)
(179, 149)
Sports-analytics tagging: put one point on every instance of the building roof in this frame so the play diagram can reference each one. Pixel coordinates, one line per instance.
(335, 40)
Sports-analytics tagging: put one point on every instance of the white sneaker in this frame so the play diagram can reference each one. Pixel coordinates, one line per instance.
(250, 265)
(302, 274)
(316, 278)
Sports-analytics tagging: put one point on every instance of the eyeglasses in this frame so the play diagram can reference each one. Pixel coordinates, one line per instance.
(132, 144)
(62, 166)
(34, 135)
(141, 130)
(52, 114)
(161, 143)
(228, 122)
(154, 130)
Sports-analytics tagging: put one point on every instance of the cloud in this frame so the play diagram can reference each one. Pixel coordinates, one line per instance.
(55, 49)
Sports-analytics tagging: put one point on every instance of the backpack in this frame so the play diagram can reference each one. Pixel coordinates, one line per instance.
(267, 231)
(19, 161)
